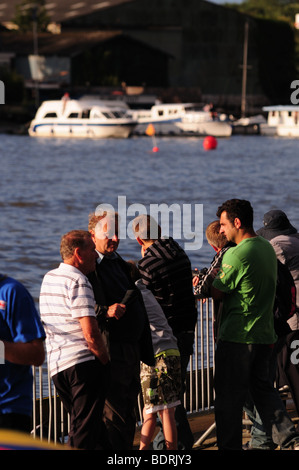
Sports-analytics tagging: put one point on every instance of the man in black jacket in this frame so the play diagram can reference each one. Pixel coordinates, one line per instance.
(123, 320)
(166, 270)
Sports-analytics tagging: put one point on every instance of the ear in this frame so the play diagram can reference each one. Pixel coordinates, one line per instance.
(140, 241)
(92, 235)
(77, 255)
(237, 223)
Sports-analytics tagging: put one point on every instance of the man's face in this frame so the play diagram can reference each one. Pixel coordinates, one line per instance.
(105, 236)
(227, 228)
(89, 257)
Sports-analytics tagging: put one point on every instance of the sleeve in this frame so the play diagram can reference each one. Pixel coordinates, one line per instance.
(22, 316)
(82, 300)
(203, 288)
(146, 276)
(229, 274)
(279, 252)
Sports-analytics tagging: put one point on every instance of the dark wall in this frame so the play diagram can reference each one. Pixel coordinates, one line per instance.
(277, 69)
(205, 42)
(120, 60)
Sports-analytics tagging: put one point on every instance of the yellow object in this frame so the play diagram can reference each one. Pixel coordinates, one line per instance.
(12, 440)
(150, 130)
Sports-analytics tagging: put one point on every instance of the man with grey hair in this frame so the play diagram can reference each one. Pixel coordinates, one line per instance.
(166, 270)
(122, 317)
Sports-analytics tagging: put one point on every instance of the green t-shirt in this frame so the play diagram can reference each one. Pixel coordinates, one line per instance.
(248, 277)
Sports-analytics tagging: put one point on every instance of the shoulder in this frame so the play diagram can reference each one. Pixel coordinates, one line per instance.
(9, 285)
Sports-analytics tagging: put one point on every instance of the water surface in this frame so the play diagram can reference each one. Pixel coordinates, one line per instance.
(49, 186)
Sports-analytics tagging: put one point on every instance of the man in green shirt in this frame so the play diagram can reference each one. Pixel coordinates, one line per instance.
(246, 283)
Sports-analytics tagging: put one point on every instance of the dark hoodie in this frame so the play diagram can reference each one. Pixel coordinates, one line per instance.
(166, 271)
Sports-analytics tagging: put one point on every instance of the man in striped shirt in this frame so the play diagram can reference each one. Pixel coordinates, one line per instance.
(76, 352)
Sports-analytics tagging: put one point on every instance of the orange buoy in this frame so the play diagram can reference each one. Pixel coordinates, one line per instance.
(150, 130)
(210, 143)
(155, 149)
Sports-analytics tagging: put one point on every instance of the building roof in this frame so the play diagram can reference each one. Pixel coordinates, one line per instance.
(59, 10)
(66, 44)
(70, 43)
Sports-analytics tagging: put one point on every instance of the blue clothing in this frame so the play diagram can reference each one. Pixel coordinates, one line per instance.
(19, 322)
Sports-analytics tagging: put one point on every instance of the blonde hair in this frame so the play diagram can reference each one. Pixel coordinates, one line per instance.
(145, 227)
(95, 218)
(214, 236)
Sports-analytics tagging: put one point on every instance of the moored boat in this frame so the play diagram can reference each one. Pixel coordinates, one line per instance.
(181, 119)
(82, 118)
(283, 121)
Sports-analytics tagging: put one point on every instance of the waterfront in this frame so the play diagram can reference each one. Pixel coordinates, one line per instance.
(49, 186)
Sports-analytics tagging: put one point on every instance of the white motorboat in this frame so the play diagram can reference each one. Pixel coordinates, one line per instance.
(249, 125)
(283, 121)
(180, 119)
(82, 118)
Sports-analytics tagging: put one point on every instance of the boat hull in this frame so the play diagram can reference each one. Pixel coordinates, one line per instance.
(214, 128)
(217, 128)
(82, 130)
(279, 131)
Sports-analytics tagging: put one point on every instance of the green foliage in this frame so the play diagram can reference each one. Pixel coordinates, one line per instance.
(278, 10)
(29, 11)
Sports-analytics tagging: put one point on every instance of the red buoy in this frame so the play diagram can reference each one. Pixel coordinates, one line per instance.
(210, 143)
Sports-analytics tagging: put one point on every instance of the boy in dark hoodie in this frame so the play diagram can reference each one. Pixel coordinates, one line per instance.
(166, 270)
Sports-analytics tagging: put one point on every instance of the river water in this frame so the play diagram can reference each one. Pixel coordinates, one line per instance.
(49, 186)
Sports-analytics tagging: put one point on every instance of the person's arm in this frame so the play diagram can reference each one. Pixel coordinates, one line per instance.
(26, 354)
(217, 294)
(94, 338)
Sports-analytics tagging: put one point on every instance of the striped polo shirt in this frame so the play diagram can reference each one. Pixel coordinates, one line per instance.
(66, 295)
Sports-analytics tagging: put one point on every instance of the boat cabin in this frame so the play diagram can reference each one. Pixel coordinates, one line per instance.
(282, 115)
(72, 109)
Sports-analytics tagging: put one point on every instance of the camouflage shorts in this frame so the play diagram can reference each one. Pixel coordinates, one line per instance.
(161, 384)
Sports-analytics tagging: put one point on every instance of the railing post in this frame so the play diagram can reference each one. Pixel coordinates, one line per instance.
(201, 367)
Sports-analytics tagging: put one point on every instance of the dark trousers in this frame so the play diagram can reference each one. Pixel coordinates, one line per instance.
(82, 391)
(121, 399)
(242, 368)
(185, 436)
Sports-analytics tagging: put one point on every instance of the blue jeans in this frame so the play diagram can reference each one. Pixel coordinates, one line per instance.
(242, 369)
(259, 438)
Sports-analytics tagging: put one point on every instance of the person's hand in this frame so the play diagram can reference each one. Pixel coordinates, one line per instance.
(104, 357)
(116, 311)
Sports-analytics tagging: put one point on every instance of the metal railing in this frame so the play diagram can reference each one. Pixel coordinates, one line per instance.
(51, 422)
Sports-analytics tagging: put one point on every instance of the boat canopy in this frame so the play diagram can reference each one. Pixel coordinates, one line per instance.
(281, 107)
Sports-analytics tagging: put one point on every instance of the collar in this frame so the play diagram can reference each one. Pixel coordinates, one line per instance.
(70, 268)
(102, 256)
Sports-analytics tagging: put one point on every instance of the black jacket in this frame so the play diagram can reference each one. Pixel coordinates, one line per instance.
(109, 289)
